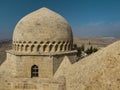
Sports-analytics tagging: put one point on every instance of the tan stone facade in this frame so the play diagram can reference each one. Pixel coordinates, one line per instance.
(42, 58)
(47, 64)
(41, 41)
(19, 73)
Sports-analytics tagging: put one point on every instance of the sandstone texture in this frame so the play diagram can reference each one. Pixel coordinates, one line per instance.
(99, 71)
(42, 58)
(41, 41)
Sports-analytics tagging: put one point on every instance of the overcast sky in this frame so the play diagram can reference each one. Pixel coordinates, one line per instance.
(88, 18)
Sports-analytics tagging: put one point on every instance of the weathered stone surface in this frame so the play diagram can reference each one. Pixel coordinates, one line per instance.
(99, 71)
(53, 56)
(42, 25)
(41, 40)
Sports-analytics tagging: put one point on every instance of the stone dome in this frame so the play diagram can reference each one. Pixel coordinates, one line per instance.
(42, 27)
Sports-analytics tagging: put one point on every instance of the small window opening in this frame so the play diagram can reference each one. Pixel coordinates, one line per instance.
(34, 71)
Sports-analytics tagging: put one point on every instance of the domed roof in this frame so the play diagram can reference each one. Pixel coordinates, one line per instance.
(42, 25)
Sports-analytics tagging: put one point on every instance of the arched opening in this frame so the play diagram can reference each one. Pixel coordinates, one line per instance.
(56, 48)
(26, 47)
(24, 42)
(38, 48)
(61, 47)
(44, 48)
(22, 46)
(35, 42)
(47, 42)
(18, 47)
(65, 47)
(34, 71)
(29, 42)
(15, 47)
(32, 48)
(41, 42)
(50, 48)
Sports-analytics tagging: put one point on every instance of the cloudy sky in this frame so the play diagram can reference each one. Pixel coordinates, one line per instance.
(88, 18)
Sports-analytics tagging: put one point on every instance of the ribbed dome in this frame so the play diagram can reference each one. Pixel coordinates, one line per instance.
(41, 29)
(42, 25)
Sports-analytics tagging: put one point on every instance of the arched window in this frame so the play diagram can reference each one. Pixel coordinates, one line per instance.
(34, 71)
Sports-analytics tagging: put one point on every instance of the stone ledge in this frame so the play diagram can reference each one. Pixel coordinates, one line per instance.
(40, 54)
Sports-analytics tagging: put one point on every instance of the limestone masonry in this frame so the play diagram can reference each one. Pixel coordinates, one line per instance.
(41, 41)
(42, 58)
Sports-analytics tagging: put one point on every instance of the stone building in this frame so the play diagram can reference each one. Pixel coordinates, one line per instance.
(42, 58)
(41, 40)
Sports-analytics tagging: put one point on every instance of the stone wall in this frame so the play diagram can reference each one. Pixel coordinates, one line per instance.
(38, 84)
(59, 58)
(23, 65)
(99, 71)
(47, 64)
